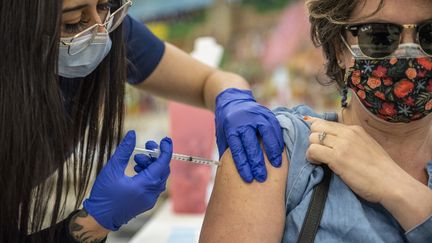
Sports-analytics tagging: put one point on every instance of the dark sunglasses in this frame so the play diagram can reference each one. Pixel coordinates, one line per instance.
(379, 40)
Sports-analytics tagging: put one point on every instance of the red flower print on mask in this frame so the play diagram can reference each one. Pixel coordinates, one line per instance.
(380, 72)
(428, 105)
(380, 95)
(411, 73)
(421, 74)
(388, 81)
(409, 101)
(403, 88)
(416, 116)
(429, 87)
(393, 60)
(388, 109)
(361, 94)
(355, 79)
(425, 62)
(374, 82)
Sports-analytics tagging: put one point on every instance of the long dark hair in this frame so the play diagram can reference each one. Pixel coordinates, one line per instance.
(45, 148)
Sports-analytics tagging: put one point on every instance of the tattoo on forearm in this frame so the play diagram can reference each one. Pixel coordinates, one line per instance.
(78, 231)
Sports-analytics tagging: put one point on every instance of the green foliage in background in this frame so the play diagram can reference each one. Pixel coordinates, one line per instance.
(182, 28)
(267, 5)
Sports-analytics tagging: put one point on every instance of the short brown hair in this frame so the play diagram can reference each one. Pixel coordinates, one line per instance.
(327, 18)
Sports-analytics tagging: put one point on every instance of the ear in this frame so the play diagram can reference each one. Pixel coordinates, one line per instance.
(340, 52)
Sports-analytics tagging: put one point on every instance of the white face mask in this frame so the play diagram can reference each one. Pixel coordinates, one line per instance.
(85, 62)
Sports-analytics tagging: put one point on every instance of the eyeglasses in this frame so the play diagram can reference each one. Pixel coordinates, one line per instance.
(380, 40)
(83, 39)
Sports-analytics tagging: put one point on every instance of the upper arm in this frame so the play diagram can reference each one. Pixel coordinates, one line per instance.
(178, 77)
(241, 212)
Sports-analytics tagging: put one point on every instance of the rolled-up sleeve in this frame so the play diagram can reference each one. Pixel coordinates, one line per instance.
(421, 233)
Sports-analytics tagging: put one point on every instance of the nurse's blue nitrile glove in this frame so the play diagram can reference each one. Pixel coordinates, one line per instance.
(239, 121)
(117, 198)
(142, 160)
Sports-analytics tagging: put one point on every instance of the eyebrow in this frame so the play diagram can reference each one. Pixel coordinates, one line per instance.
(74, 8)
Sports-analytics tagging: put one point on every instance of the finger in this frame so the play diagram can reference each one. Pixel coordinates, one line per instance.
(320, 154)
(138, 168)
(319, 125)
(152, 145)
(160, 167)
(121, 156)
(271, 144)
(240, 158)
(143, 160)
(329, 140)
(254, 154)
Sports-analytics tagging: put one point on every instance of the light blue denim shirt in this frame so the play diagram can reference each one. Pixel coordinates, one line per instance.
(346, 217)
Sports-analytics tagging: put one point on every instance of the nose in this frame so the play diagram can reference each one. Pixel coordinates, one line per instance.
(102, 29)
(98, 20)
(409, 34)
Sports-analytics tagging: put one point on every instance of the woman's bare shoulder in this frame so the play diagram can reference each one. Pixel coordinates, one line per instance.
(242, 212)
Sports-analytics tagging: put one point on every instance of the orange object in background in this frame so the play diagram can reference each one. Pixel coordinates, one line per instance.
(193, 133)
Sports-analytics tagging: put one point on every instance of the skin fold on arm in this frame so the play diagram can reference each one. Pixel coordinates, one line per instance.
(241, 212)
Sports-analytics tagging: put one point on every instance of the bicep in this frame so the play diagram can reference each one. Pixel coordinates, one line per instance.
(241, 212)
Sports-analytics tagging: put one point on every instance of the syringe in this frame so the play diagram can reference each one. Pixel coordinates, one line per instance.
(192, 159)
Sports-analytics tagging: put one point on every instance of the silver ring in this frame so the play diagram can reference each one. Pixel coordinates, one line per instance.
(321, 137)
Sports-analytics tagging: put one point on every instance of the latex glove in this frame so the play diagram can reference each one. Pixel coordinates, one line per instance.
(115, 197)
(239, 120)
(142, 160)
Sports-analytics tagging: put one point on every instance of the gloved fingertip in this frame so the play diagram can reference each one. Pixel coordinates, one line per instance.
(138, 168)
(130, 134)
(129, 139)
(261, 177)
(167, 139)
(260, 173)
(140, 157)
(151, 145)
(248, 178)
(277, 161)
(166, 145)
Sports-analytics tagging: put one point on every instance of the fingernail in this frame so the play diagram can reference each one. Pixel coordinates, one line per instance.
(306, 118)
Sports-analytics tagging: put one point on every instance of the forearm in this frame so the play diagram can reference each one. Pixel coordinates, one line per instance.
(219, 81)
(181, 78)
(409, 201)
(84, 228)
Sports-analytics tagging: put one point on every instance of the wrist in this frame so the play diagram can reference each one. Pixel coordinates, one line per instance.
(233, 94)
(218, 83)
(84, 228)
(408, 201)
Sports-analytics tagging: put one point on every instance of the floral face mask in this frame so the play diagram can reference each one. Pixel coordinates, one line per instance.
(395, 89)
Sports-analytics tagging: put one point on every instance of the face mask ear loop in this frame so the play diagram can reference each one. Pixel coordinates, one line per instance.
(344, 102)
(347, 46)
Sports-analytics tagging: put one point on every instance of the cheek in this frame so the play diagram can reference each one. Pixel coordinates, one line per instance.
(348, 59)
